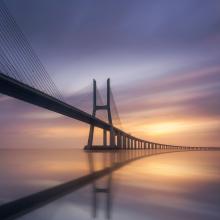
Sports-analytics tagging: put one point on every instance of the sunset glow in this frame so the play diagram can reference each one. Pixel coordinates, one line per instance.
(165, 80)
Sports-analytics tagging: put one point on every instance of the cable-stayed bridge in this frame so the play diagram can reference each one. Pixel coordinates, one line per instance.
(23, 76)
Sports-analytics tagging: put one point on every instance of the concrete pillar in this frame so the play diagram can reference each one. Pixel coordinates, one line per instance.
(119, 140)
(104, 138)
(124, 141)
(112, 138)
(132, 143)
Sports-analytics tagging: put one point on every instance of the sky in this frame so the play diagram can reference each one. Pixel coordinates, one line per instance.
(163, 59)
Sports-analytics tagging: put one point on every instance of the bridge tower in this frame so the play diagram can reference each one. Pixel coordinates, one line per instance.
(105, 107)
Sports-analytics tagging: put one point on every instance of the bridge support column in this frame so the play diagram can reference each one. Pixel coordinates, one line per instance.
(104, 138)
(90, 139)
(119, 140)
(129, 143)
(132, 143)
(124, 141)
(112, 138)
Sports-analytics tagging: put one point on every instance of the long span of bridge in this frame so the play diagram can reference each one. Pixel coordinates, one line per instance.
(120, 139)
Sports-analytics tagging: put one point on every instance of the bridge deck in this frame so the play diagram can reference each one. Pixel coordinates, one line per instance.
(21, 91)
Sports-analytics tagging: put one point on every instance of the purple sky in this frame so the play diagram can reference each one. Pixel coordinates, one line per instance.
(163, 58)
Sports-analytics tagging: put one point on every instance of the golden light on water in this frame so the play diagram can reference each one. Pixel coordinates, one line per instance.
(176, 166)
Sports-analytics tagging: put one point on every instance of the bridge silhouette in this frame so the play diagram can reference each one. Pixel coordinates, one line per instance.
(23, 76)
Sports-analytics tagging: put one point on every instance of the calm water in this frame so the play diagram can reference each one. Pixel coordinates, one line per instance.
(180, 185)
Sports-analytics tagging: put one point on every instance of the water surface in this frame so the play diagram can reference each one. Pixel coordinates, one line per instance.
(180, 185)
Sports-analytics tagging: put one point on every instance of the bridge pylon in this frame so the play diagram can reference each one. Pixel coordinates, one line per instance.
(105, 107)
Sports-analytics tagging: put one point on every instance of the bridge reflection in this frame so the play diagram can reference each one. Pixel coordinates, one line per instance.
(100, 177)
(102, 186)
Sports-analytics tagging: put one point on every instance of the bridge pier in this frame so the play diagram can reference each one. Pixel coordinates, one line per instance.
(104, 138)
(129, 143)
(118, 140)
(112, 138)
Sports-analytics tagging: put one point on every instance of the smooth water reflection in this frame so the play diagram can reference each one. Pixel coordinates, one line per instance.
(181, 185)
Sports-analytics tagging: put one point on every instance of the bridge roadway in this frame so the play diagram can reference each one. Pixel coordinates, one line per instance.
(21, 91)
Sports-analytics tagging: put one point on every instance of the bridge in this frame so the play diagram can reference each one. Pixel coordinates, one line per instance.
(22, 76)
